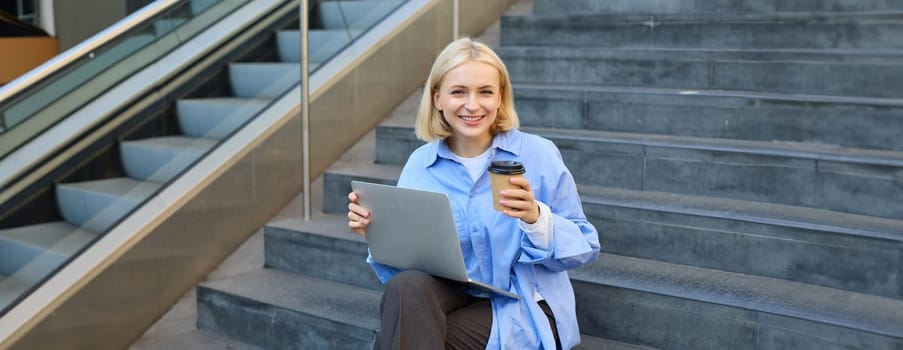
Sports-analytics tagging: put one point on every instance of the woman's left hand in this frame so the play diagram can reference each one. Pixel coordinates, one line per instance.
(520, 203)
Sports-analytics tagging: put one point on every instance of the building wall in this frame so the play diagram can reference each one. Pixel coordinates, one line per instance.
(135, 5)
(77, 20)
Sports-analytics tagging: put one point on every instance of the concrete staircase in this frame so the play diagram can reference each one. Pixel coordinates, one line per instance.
(741, 160)
(315, 292)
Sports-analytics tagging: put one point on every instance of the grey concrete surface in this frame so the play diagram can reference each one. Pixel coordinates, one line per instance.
(817, 72)
(877, 31)
(716, 6)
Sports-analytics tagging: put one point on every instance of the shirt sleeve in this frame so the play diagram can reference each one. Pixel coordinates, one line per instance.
(574, 241)
(540, 232)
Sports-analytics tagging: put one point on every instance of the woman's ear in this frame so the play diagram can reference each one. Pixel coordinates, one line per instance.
(436, 101)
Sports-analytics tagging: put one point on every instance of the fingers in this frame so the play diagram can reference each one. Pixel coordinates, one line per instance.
(357, 230)
(358, 216)
(354, 207)
(356, 223)
(520, 203)
(526, 211)
(520, 182)
(515, 195)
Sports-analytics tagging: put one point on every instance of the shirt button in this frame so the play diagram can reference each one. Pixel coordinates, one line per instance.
(474, 229)
(472, 195)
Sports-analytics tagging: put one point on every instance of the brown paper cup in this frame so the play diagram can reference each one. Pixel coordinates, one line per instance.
(500, 182)
(499, 174)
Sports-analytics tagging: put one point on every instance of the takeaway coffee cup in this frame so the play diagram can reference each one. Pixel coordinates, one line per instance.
(499, 173)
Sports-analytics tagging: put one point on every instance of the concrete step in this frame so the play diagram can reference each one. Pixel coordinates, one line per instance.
(261, 306)
(216, 118)
(266, 80)
(818, 247)
(98, 204)
(281, 310)
(322, 248)
(194, 340)
(161, 159)
(354, 14)
(844, 121)
(679, 307)
(816, 72)
(692, 302)
(337, 182)
(32, 252)
(876, 31)
(810, 175)
(720, 6)
(595, 343)
(850, 252)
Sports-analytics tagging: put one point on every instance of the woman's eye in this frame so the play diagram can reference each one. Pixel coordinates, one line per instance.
(487, 92)
(457, 92)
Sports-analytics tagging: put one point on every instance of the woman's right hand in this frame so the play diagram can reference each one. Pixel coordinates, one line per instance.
(358, 217)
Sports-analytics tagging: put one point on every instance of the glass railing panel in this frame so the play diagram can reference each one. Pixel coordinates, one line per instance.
(31, 253)
(90, 208)
(69, 89)
(343, 21)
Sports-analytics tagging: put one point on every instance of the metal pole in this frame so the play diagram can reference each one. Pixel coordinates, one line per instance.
(305, 112)
(455, 10)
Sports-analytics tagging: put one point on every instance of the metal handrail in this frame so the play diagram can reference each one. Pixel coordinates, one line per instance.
(58, 62)
(305, 111)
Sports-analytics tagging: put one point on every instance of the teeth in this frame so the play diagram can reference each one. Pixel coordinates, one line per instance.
(470, 119)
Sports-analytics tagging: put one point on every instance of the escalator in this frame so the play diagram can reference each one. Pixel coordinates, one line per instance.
(93, 135)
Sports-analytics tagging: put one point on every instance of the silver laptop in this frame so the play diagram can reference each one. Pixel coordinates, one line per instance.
(415, 230)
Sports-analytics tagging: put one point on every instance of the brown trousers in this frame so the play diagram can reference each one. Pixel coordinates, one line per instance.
(419, 311)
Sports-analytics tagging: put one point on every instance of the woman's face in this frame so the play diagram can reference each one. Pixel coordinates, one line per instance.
(469, 99)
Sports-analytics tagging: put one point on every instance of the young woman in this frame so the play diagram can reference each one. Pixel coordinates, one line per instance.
(467, 117)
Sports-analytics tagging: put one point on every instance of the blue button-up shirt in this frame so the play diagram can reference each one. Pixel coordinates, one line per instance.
(496, 250)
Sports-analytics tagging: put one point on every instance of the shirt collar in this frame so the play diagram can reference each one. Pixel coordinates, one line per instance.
(508, 141)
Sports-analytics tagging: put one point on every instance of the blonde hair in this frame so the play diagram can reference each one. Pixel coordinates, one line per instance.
(430, 125)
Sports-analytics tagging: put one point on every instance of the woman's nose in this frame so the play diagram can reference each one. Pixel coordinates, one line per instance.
(471, 103)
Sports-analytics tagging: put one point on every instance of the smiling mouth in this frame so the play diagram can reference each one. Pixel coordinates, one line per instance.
(470, 119)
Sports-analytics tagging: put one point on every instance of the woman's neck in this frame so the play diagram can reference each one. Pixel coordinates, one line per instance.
(469, 147)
